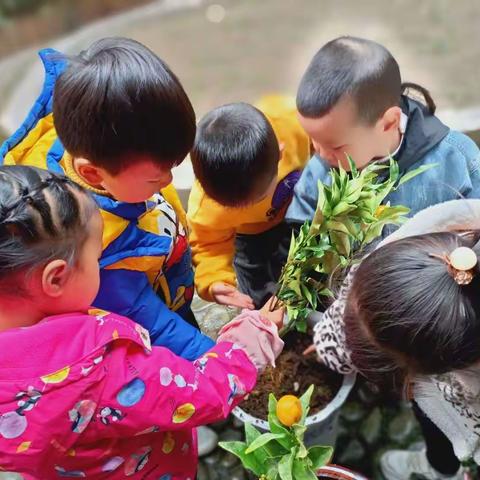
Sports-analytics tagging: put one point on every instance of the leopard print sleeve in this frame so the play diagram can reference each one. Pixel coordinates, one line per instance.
(329, 333)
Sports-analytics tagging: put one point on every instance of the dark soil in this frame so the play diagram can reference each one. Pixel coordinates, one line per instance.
(293, 374)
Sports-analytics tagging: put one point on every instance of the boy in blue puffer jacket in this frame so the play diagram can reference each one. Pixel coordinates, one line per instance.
(116, 120)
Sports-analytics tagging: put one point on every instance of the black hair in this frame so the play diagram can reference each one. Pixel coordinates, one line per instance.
(405, 312)
(356, 67)
(117, 99)
(236, 153)
(41, 218)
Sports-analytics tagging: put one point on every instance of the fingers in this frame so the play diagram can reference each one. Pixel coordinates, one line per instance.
(228, 295)
(242, 301)
(309, 350)
(223, 289)
(277, 317)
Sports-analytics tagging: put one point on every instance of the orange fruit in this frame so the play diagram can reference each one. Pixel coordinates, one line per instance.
(289, 410)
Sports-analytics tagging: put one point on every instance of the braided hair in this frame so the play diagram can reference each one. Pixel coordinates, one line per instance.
(42, 217)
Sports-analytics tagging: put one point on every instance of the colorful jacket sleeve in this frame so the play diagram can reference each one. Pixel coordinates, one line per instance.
(213, 243)
(164, 392)
(129, 293)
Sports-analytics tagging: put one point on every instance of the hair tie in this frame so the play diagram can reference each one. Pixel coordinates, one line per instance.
(461, 264)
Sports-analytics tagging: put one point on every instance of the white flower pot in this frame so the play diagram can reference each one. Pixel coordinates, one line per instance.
(321, 427)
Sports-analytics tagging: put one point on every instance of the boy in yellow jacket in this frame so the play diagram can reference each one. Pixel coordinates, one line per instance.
(247, 161)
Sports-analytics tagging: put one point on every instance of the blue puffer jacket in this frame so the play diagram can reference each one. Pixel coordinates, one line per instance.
(146, 265)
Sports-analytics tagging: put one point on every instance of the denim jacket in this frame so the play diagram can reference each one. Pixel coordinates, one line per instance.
(426, 141)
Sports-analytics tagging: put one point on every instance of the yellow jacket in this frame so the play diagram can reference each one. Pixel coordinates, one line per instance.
(213, 226)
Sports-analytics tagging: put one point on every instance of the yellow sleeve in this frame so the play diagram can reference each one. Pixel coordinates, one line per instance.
(282, 114)
(212, 239)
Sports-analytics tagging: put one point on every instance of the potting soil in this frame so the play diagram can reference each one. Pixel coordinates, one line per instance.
(293, 374)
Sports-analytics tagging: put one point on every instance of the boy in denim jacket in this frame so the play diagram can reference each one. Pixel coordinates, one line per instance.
(351, 101)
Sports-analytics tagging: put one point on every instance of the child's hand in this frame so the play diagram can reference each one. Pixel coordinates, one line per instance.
(309, 350)
(273, 315)
(228, 295)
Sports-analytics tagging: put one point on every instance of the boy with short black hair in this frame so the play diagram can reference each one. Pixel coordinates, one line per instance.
(123, 121)
(351, 101)
(247, 161)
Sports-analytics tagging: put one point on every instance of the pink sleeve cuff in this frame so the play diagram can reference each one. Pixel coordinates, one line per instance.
(257, 336)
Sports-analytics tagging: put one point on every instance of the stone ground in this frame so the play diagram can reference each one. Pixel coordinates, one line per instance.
(260, 46)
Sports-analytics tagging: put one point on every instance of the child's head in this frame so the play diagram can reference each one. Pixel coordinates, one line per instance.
(236, 154)
(348, 101)
(50, 242)
(406, 312)
(125, 118)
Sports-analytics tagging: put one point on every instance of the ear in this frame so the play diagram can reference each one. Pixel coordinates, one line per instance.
(391, 119)
(54, 278)
(90, 173)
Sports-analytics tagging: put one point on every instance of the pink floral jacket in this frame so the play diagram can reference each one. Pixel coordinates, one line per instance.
(86, 396)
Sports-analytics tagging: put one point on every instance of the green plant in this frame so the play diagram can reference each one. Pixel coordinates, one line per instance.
(280, 453)
(349, 216)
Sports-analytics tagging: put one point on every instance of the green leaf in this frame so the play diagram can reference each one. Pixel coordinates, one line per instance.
(251, 434)
(305, 401)
(263, 440)
(341, 241)
(394, 170)
(413, 173)
(301, 324)
(292, 246)
(301, 471)
(285, 466)
(321, 196)
(299, 430)
(320, 456)
(337, 226)
(248, 461)
(342, 208)
(272, 473)
(353, 167)
(276, 427)
(272, 404)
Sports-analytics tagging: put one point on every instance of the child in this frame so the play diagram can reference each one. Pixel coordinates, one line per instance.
(123, 121)
(247, 161)
(351, 101)
(411, 311)
(102, 403)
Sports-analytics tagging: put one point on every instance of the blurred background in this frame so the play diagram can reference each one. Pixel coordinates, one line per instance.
(231, 50)
(239, 49)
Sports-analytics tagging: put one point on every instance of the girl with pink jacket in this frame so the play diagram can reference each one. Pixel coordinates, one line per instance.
(83, 393)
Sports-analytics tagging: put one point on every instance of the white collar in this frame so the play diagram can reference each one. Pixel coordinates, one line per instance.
(402, 128)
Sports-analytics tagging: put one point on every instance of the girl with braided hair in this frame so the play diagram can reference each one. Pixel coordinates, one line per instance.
(83, 392)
